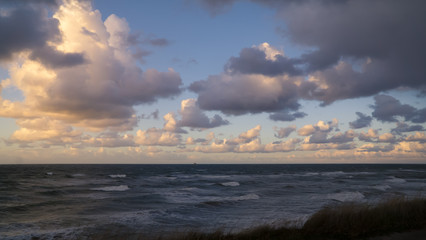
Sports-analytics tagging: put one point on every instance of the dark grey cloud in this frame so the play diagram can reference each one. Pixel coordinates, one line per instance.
(26, 2)
(387, 33)
(26, 28)
(55, 59)
(254, 61)
(284, 132)
(402, 127)
(322, 137)
(387, 108)
(381, 43)
(361, 122)
(286, 116)
(419, 116)
(153, 115)
(93, 35)
(202, 121)
(192, 116)
(240, 94)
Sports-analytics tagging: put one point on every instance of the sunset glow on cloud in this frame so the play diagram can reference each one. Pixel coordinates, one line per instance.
(81, 86)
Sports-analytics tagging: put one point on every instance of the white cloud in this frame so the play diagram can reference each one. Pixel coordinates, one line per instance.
(157, 137)
(96, 94)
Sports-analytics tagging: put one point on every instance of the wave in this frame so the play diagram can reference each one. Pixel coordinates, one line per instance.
(117, 176)
(78, 175)
(381, 187)
(112, 188)
(250, 196)
(332, 174)
(230, 184)
(346, 196)
(393, 179)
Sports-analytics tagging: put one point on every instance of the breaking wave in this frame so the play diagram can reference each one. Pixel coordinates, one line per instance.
(112, 188)
(117, 176)
(346, 196)
(230, 184)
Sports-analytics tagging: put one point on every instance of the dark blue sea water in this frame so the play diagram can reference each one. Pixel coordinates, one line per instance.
(74, 201)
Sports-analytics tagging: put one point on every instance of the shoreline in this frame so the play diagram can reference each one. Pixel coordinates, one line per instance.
(394, 219)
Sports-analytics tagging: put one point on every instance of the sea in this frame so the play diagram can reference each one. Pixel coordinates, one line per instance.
(82, 201)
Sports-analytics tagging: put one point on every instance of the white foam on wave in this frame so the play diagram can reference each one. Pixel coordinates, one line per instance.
(112, 188)
(117, 176)
(381, 187)
(309, 174)
(230, 184)
(332, 174)
(78, 175)
(250, 196)
(49, 173)
(346, 196)
(206, 176)
(396, 180)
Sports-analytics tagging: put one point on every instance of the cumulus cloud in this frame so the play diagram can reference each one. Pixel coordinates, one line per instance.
(110, 140)
(402, 127)
(366, 47)
(286, 116)
(387, 108)
(286, 146)
(361, 122)
(239, 93)
(377, 33)
(376, 148)
(321, 126)
(263, 59)
(387, 137)
(46, 131)
(418, 136)
(326, 146)
(157, 137)
(191, 116)
(26, 27)
(322, 137)
(194, 117)
(53, 58)
(249, 135)
(284, 132)
(370, 136)
(246, 142)
(79, 70)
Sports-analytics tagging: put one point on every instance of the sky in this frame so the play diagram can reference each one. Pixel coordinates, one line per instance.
(212, 81)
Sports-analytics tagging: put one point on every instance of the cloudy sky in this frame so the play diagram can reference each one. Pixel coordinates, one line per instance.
(212, 81)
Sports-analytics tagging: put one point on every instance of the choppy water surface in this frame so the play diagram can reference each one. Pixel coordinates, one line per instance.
(70, 201)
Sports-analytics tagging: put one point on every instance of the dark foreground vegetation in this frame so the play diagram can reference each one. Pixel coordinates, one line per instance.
(345, 221)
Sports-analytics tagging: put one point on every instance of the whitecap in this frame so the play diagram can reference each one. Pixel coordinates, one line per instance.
(117, 176)
(78, 175)
(214, 176)
(230, 184)
(308, 174)
(250, 196)
(346, 196)
(49, 173)
(395, 180)
(332, 174)
(112, 188)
